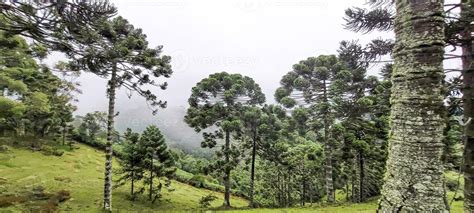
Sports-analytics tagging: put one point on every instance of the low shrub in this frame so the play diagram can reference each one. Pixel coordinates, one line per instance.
(48, 150)
(205, 201)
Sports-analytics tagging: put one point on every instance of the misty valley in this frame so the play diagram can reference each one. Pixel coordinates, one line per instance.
(245, 106)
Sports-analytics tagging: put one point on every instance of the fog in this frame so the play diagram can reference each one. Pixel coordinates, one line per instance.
(260, 39)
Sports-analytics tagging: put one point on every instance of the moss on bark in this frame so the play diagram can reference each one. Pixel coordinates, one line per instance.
(414, 181)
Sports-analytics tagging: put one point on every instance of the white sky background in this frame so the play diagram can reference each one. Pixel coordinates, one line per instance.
(258, 38)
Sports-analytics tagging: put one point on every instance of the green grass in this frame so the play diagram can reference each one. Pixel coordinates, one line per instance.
(81, 172)
(371, 206)
(344, 207)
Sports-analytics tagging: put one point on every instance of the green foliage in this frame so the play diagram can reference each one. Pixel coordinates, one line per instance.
(92, 124)
(10, 108)
(122, 49)
(219, 101)
(83, 167)
(157, 159)
(205, 201)
(131, 161)
(56, 26)
(33, 100)
(314, 88)
(452, 153)
(48, 150)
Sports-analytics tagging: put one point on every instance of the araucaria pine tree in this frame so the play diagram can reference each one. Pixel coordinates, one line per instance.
(57, 25)
(132, 166)
(120, 53)
(414, 178)
(261, 126)
(157, 160)
(310, 85)
(361, 111)
(217, 101)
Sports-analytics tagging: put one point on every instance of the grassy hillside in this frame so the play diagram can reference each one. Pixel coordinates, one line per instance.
(81, 173)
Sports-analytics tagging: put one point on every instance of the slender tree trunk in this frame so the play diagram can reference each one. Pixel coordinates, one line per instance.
(328, 169)
(347, 191)
(468, 99)
(227, 171)
(288, 191)
(361, 177)
(414, 178)
(304, 188)
(151, 179)
(352, 185)
(279, 197)
(328, 153)
(132, 195)
(108, 147)
(35, 144)
(356, 179)
(64, 134)
(302, 195)
(252, 168)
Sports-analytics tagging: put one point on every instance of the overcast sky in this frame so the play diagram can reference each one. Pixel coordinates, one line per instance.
(258, 38)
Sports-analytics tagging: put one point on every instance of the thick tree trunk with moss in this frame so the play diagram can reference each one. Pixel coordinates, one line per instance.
(227, 171)
(414, 178)
(468, 96)
(108, 147)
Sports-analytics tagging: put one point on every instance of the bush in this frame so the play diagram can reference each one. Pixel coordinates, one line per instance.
(183, 176)
(198, 181)
(48, 150)
(205, 201)
(97, 143)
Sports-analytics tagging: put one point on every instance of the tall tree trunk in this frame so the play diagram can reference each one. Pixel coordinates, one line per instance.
(356, 179)
(288, 189)
(227, 171)
(64, 134)
(328, 167)
(414, 178)
(361, 177)
(328, 152)
(252, 168)
(347, 191)
(279, 197)
(151, 179)
(108, 146)
(304, 183)
(132, 195)
(468, 99)
(353, 183)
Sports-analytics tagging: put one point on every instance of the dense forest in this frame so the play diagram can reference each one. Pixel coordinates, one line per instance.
(399, 140)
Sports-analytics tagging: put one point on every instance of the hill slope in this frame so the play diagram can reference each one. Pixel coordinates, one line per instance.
(81, 173)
